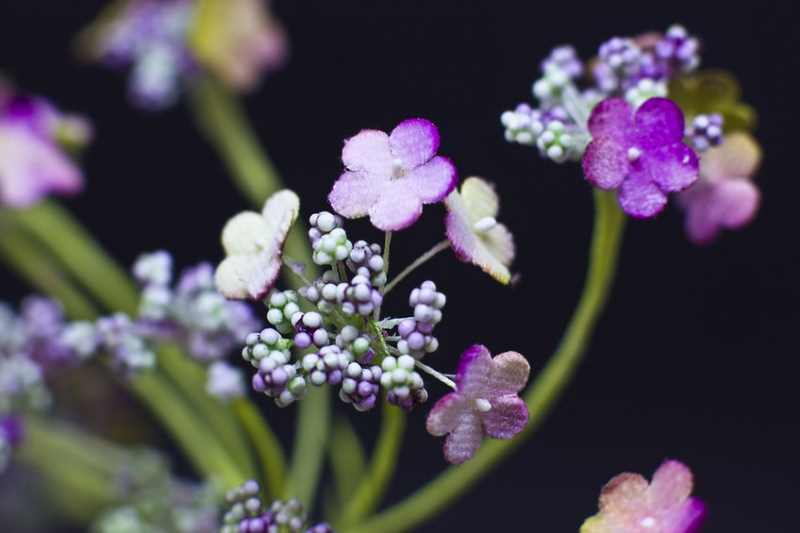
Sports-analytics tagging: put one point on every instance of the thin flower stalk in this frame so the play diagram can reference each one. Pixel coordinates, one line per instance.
(265, 442)
(438, 247)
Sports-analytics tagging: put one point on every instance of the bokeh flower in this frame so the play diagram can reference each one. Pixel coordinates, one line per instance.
(474, 232)
(724, 196)
(253, 243)
(485, 402)
(628, 504)
(713, 91)
(33, 163)
(640, 153)
(390, 177)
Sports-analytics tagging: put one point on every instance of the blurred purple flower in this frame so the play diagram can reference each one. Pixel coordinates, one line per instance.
(485, 402)
(640, 153)
(390, 177)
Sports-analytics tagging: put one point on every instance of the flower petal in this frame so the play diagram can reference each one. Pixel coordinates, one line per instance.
(612, 117)
(247, 276)
(414, 141)
(624, 494)
(433, 181)
(673, 167)
(246, 233)
(659, 121)
(506, 418)
(739, 156)
(368, 151)
(472, 376)
(508, 373)
(464, 440)
(734, 202)
(479, 198)
(641, 198)
(685, 517)
(280, 211)
(605, 163)
(354, 193)
(396, 208)
(448, 412)
(672, 483)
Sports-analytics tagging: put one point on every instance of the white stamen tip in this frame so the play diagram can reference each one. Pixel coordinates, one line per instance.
(648, 522)
(634, 153)
(397, 168)
(484, 224)
(483, 405)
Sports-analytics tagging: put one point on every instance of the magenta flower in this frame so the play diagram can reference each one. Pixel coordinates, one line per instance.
(473, 231)
(724, 196)
(32, 163)
(628, 504)
(390, 177)
(640, 153)
(485, 402)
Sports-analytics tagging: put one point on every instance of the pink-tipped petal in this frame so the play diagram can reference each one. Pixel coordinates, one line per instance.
(354, 193)
(658, 122)
(506, 418)
(414, 142)
(472, 375)
(464, 440)
(673, 167)
(735, 202)
(368, 151)
(509, 373)
(612, 117)
(672, 483)
(433, 181)
(446, 414)
(605, 163)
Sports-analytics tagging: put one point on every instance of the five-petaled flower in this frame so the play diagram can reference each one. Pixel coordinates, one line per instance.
(253, 243)
(390, 177)
(640, 153)
(485, 402)
(724, 196)
(474, 232)
(628, 504)
(32, 162)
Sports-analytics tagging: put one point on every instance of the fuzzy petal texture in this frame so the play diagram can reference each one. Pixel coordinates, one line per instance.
(640, 153)
(628, 504)
(253, 243)
(485, 402)
(390, 177)
(470, 210)
(724, 197)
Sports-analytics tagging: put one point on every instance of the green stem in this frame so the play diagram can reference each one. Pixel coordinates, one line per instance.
(382, 466)
(38, 268)
(443, 245)
(191, 380)
(267, 446)
(203, 448)
(81, 255)
(540, 397)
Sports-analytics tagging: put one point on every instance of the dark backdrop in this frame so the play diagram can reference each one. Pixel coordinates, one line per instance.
(696, 358)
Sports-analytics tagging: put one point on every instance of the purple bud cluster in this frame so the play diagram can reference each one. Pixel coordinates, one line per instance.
(705, 131)
(679, 50)
(405, 385)
(566, 59)
(360, 386)
(328, 238)
(359, 296)
(276, 375)
(247, 514)
(619, 61)
(368, 256)
(327, 366)
(417, 334)
(124, 342)
(310, 330)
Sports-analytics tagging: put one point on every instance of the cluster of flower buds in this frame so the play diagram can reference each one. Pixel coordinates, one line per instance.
(635, 69)
(247, 514)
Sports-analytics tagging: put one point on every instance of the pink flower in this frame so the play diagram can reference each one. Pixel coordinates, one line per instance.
(485, 402)
(32, 163)
(724, 196)
(640, 153)
(628, 504)
(474, 232)
(390, 177)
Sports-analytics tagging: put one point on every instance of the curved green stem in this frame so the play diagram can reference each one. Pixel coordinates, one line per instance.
(37, 267)
(266, 444)
(81, 255)
(190, 431)
(540, 397)
(373, 485)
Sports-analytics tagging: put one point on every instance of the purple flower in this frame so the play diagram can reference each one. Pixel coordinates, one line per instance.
(32, 164)
(724, 196)
(390, 177)
(640, 153)
(485, 402)
(474, 232)
(628, 504)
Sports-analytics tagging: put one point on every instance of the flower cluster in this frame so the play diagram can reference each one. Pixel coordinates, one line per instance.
(247, 514)
(630, 137)
(167, 43)
(34, 135)
(335, 319)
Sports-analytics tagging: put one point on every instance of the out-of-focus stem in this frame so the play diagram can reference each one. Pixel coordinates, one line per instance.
(268, 448)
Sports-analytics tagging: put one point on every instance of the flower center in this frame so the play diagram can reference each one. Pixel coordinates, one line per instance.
(482, 405)
(484, 224)
(648, 522)
(397, 168)
(634, 153)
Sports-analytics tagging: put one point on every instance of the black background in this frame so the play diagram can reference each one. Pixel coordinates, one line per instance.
(696, 357)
